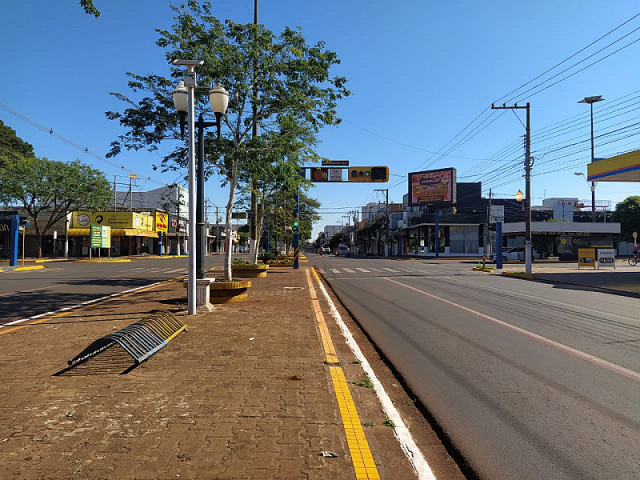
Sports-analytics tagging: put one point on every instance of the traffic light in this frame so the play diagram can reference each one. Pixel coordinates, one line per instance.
(295, 224)
(368, 174)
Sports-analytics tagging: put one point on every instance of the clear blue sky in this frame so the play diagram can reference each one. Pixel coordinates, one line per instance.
(419, 71)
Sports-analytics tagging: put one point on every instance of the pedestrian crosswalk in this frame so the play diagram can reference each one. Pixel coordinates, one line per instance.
(377, 271)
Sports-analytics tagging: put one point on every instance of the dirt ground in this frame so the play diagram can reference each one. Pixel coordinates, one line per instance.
(243, 393)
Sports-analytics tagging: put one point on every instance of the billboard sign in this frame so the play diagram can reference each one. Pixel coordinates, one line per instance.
(432, 186)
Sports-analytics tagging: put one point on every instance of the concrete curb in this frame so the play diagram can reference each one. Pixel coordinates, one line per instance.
(20, 269)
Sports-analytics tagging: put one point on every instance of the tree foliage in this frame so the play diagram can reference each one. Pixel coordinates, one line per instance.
(11, 144)
(627, 213)
(48, 189)
(89, 8)
(282, 78)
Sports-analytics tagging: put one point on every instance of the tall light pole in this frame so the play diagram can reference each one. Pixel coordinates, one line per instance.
(591, 101)
(186, 89)
(219, 99)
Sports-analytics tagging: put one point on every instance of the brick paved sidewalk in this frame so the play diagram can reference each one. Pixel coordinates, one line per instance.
(242, 394)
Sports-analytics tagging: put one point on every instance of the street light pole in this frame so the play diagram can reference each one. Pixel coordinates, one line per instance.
(591, 101)
(189, 84)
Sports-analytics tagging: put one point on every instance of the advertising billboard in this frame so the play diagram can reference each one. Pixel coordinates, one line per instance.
(432, 186)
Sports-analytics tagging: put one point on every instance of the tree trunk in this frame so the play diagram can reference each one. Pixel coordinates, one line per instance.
(228, 254)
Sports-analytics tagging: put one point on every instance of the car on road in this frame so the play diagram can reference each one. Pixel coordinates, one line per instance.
(326, 250)
(342, 250)
(515, 254)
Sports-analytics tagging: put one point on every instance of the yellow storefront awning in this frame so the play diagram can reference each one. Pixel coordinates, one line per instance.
(115, 232)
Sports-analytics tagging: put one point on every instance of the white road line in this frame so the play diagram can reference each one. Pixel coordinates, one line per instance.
(390, 270)
(83, 304)
(559, 346)
(363, 270)
(176, 270)
(349, 270)
(335, 270)
(408, 445)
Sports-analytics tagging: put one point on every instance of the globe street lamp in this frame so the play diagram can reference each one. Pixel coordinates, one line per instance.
(591, 101)
(183, 99)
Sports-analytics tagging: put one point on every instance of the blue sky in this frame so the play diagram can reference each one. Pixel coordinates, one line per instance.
(420, 72)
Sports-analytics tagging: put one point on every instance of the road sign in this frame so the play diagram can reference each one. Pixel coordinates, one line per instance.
(335, 174)
(335, 163)
(319, 174)
(497, 214)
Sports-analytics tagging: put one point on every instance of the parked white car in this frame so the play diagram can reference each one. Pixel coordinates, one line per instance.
(517, 254)
(342, 250)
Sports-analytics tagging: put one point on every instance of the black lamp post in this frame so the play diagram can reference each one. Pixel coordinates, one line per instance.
(591, 101)
(219, 99)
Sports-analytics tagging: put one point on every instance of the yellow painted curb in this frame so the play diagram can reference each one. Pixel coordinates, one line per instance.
(518, 275)
(363, 464)
(486, 270)
(22, 269)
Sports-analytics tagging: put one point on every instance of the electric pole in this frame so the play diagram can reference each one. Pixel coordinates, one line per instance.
(528, 163)
(386, 222)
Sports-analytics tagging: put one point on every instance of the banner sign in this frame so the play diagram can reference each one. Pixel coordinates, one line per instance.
(606, 257)
(162, 222)
(587, 257)
(139, 221)
(432, 186)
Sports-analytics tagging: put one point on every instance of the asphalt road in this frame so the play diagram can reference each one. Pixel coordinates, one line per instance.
(62, 284)
(529, 380)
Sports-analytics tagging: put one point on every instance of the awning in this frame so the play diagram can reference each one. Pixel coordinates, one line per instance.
(115, 232)
(621, 168)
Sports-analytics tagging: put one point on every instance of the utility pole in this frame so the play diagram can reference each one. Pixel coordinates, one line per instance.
(114, 193)
(386, 222)
(488, 235)
(528, 163)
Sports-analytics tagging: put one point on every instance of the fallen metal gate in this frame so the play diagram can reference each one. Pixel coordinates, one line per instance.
(140, 340)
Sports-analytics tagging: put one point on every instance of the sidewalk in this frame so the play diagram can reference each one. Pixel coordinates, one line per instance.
(624, 279)
(244, 393)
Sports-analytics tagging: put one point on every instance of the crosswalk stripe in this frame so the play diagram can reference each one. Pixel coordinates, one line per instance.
(349, 270)
(363, 270)
(390, 270)
(335, 270)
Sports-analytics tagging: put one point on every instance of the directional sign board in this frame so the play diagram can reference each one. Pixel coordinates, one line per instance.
(100, 236)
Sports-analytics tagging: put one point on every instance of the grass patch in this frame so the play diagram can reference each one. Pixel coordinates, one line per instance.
(389, 423)
(366, 383)
(356, 362)
(368, 424)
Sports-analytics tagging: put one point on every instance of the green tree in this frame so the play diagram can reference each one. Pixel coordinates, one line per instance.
(627, 213)
(281, 76)
(11, 145)
(89, 8)
(48, 190)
